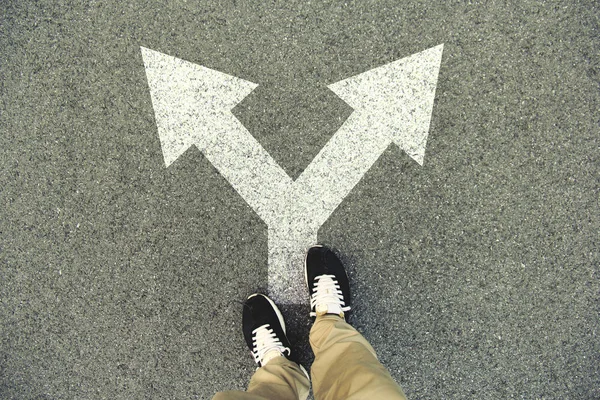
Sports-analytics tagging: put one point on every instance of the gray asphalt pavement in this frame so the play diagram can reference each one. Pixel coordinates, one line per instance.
(474, 276)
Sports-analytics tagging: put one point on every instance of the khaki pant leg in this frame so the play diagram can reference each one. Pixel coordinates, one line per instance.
(346, 366)
(279, 379)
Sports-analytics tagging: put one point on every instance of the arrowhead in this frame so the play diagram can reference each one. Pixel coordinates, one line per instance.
(190, 101)
(396, 99)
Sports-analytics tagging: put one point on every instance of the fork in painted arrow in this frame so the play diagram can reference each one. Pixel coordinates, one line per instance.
(392, 104)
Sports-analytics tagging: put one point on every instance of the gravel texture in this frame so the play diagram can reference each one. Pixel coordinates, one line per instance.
(474, 276)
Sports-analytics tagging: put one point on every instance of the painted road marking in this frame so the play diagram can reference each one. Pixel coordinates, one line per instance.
(392, 104)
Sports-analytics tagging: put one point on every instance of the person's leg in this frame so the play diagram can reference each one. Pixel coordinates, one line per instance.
(345, 366)
(278, 377)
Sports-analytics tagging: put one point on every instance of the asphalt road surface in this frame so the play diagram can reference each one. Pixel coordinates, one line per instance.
(474, 276)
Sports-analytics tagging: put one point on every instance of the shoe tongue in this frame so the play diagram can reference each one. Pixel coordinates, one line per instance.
(269, 356)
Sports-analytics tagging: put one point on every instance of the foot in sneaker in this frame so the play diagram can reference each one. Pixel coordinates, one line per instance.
(264, 329)
(327, 282)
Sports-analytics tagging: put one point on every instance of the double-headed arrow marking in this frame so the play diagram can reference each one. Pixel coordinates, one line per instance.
(392, 104)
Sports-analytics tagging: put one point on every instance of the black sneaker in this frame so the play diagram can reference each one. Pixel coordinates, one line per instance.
(327, 282)
(264, 329)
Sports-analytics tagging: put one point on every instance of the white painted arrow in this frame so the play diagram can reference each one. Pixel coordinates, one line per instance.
(392, 104)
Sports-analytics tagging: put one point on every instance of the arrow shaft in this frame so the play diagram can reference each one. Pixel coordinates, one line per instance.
(309, 202)
(287, 247)
(252, 172)
(339, 166)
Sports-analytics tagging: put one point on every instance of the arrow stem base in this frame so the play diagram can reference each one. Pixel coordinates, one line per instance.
(287, 250)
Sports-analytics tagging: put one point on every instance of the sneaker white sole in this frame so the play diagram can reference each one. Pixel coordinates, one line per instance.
(305, 373)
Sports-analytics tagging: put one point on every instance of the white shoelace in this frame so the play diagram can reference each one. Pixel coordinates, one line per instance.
(327, 294)
(264, 341)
